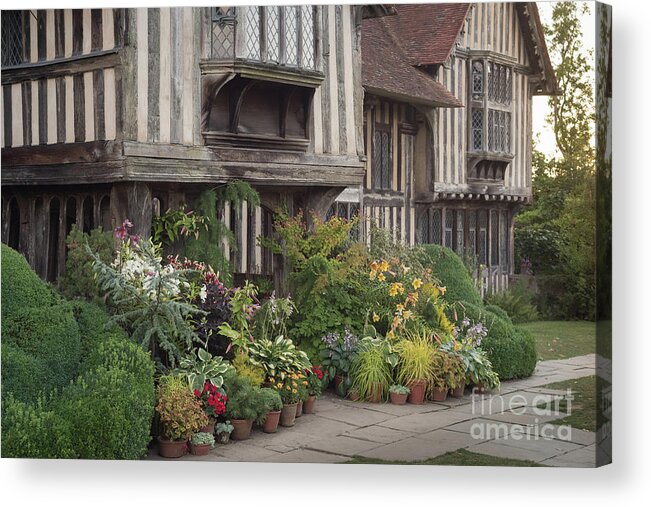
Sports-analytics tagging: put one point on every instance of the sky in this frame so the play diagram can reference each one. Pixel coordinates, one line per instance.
(545, 135)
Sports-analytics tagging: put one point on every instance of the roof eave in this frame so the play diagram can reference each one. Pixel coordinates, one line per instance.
(401, 97)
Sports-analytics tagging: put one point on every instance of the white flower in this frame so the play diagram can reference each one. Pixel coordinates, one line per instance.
(203, 293)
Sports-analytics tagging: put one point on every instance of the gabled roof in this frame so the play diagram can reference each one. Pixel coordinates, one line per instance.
(429, 31)
(388, 71)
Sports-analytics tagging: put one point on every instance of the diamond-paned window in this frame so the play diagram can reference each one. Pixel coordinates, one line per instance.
(12, 38)
(291, 35)
(477, 129)
(504, 241)
(252, 32)
(472, 232)
(449, 226)
(483, 237)
(435, 226)
(495, 238)
(223, 32)
(273, 34)
(477, 79)
(460, 231)
(307, 37)
(381, 161)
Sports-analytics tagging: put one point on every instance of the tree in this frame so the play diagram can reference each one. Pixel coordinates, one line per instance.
(557, 233)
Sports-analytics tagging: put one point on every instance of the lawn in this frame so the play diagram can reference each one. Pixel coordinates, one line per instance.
(586, 408)
(460, 457)
(561, 339)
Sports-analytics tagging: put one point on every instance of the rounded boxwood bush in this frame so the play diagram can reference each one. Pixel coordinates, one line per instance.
(499, 311)
(23, 375)
(31, 431)
(50, 335)
(94, 329)
(110, 411)
(512, 351)
(21, 287)
(448, 267)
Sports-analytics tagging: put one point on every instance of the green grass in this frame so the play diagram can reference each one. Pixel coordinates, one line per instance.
(561, 340)
(586, 411)
(460, 457)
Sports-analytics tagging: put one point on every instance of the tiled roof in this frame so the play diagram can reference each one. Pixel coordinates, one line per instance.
(429, 31)
(386, 68)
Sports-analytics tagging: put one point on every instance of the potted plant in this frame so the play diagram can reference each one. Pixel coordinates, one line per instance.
(180, 414)
(337, 357)
(223, 431)
(243, 406)
(272, 405)
(457, 376)
(398, 394)
(213, 403)
(314, 388)
(303, 393)
(289, 394)
(415, 364)
(370, 370)
(439, 384)
(201, 443)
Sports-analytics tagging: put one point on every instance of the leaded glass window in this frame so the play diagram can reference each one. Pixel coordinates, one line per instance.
(449, 227)
(477, 79)
(291, 36)
(307, 37)
(477, 129)
(273, 33)
(12, 38)
(483, 237)
(381, 162)
(499, 131)
(252, 32)
(504, 242)
(435, 226)
(472, 233)
(223, 32)
(460, 231)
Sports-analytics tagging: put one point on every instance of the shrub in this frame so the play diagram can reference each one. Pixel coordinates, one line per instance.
(448, 268)
(79, 280)
(118, 353)
(23, 375)
(110, 412)
(511, 351)
(31, 431)
(270, 401)
(517, 302)
(50, 335)
(94, 328)
(21, 287)
(500, 312)
(244, 400)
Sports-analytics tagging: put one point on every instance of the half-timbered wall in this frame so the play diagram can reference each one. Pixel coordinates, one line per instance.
(69, 93)
(492, 31)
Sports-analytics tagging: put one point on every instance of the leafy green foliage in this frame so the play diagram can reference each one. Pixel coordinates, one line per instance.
(79, 279)
(208, 246)
(279, 357)
(448, 267)
(179, 410)
(21, 287)
(200, 367)
(94, 327)
(370, 371)
(516, 302)
(414, 357)
(50, 337)
(175, 224)
(244, 400)
(270, 401)
(202, 438)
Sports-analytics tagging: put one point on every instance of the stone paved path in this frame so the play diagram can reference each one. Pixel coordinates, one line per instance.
(506, 424)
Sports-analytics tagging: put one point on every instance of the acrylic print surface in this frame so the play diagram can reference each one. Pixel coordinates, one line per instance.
(308, 233)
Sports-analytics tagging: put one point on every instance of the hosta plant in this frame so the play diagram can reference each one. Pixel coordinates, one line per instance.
(200, 366)
(279, 358)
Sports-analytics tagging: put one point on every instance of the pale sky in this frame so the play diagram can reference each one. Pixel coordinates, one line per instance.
(540, 108)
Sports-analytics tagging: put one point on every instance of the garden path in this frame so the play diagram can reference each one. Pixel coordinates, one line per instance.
(508, 424)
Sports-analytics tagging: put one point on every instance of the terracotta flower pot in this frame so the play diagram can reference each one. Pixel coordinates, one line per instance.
(209, 428)
(479, 388)
(299, 409)
(439, 394)
(375, 396)
(457, 392)
(416, 392)
(353, 395)
(398, 399)
(308, 405)
(223, 437)
(200, 450)
(242, 428)
(288, 415)
(271, 422)
(172, 448)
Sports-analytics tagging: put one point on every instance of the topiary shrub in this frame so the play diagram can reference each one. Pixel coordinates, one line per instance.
(79, 280)
(23, 375)
(21, 287)
(50, 335)
(512, 351)
(94, 329)
(448, 268)
(31, 431)
(500, 312)
(110, 411)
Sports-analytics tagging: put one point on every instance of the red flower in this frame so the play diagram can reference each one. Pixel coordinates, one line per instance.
(197, 393)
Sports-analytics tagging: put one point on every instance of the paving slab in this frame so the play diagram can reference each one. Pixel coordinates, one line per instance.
(307, 456)
(417, 449)
(579, 458)
(342, 445)
(492, 448)
(423, 423)
(241, 451)
(379, 434)
(321, 427)
(356, 416)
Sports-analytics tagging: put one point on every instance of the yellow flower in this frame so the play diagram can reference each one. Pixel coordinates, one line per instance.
(391, 335)
(305, 382)
(407, 314)
(396, 321)
(374, 266)
(384, 266)
(405, 269)
(400, 307)
(417, 283)
(372, 275)
(413, 297)
(294, 391)
(376, 317)
(279, 385)
(381, 277)
(442, 289)
(289, 388)
(457, 346)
